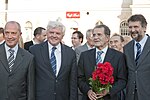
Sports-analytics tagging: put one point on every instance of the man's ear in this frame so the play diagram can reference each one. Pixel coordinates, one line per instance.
(108, 37)
(145, 29)
(37, 36)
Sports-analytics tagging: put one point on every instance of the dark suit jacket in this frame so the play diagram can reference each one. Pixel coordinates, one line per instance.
(48, 86)
(28, 44)
(87, 63)
(19, 84)
(139, 74)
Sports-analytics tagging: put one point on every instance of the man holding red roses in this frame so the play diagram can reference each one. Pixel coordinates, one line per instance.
(88, 61)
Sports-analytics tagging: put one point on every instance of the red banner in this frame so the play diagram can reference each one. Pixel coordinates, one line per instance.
(72, 14)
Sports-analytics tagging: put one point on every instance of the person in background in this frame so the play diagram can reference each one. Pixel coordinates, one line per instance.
(17, 70)
(56, 66)
(137, 53)
(2, 35)
(39, 37)
(21, 44)
(87, 63)
(76, 39)
(116, 42)
(87, 46)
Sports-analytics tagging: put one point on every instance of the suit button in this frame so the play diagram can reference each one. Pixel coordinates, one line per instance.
(134, 82)
(135, 88)
(133, 93)
(54, 93)
(136, 71)
(56, 81)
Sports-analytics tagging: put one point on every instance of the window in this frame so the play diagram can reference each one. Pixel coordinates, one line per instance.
(124, 28)
(28, 28)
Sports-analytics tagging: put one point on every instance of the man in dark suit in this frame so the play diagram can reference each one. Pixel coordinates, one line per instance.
(39, 37)
(87, 63)
(137, 54)
(28, 44)
(56, 68)
(16, 67)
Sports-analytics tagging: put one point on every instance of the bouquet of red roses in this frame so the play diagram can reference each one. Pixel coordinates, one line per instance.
(102, 77)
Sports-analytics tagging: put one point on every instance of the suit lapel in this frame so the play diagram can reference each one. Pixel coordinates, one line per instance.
(131, 53)
(108, 56)
(45, 57)
(3, 57)
(92, 58)
(145, 51)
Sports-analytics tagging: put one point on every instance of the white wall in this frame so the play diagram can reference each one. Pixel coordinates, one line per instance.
(39, 12)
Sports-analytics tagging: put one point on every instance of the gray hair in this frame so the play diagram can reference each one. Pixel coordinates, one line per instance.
(56, 24)
(14, 22)
(88, 33)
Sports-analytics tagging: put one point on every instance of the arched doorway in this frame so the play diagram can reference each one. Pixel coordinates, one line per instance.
(28, 28)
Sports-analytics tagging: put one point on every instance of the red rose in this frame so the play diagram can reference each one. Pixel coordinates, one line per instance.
(94, 75)
(98, 71)
(107, 64)
(105, 80)
(102, 77)
(111, 80)
(100, 65)
(105, 70)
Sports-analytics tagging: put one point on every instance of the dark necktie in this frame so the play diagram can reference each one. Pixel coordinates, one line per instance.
(138, 52)
(53, 60)
(11, 59)
(99, 58)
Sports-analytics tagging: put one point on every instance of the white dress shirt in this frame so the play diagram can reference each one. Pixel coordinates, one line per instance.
(103, 54)
(57, 55)
(14, 48)
(142, 43)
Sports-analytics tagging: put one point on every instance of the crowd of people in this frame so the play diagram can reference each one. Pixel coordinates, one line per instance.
(47, 69)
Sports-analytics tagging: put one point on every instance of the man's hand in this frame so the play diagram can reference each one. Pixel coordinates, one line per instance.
(104, 92)
(92, 95)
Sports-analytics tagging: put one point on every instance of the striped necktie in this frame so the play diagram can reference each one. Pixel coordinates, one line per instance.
(138, 52)
(53, 60)
(99, 58)
(11, 59)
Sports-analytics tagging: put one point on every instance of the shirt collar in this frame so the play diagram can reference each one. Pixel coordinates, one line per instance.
(58, 47)
(143, 41)
(14, 48)
(104, 49)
